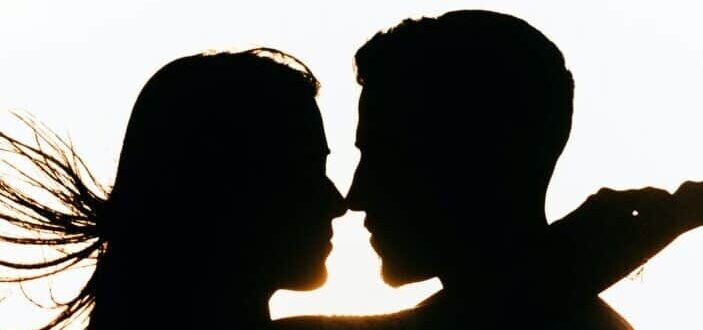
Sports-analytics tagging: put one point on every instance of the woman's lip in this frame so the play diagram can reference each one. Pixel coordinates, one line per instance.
(327, 250)
(368, 224)
(374, 243)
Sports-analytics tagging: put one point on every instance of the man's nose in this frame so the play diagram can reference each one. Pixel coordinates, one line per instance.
(355, 194)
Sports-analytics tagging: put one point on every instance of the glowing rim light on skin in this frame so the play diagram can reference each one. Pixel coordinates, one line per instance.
(637, 109)
(354, 285)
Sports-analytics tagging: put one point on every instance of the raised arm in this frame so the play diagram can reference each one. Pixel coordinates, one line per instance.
(614, 232)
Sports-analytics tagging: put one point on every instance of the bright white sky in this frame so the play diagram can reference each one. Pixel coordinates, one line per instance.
(638, 66)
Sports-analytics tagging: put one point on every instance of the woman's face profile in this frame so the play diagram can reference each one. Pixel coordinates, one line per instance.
(230, 149)
(299, 200)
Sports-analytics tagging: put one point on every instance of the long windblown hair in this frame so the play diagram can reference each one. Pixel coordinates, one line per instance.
(65, 218)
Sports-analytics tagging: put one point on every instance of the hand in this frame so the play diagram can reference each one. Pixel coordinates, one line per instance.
(689, 200)
(647, 202)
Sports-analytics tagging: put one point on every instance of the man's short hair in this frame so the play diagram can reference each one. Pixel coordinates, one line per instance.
(476, 65)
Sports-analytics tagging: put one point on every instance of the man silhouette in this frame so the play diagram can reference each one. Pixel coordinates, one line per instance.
(461, 121)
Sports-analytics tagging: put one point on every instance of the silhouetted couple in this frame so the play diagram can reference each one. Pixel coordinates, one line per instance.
(221, 195)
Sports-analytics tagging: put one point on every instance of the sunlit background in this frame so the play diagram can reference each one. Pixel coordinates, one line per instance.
(638, 65)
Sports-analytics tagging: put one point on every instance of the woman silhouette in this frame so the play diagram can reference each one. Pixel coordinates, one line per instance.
(220, 198)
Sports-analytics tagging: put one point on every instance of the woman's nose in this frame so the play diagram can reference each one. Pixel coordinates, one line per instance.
(338, 205)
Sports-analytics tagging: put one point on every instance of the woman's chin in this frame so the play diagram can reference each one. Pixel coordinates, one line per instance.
(310, 280)
(310, 274)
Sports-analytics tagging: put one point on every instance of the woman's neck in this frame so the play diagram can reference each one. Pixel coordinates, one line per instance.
(249, 305)
(235, 299)
(251, 313)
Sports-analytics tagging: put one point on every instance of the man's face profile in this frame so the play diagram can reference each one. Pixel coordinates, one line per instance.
(391, 188)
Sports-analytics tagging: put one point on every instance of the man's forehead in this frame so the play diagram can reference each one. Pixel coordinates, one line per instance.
(382, 135)
(383, 127)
